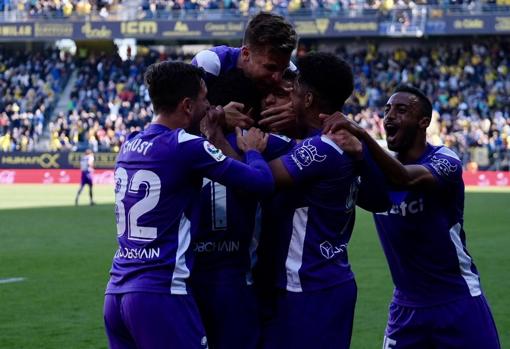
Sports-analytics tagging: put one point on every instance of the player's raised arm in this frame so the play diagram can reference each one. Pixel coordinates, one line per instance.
(308, 160)
(395, 172)
(212, 127)
(253, 176)
(373, 191)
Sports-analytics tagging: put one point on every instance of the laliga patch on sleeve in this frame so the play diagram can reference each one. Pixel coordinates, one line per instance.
(215, 153)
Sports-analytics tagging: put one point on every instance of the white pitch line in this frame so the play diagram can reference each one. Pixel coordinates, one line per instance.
(11, 280)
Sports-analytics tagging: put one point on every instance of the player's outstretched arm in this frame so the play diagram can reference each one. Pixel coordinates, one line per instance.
(372, 193)
(254, 176)
(212, 126)
(313, 158)
(397, 174)
(282, 177)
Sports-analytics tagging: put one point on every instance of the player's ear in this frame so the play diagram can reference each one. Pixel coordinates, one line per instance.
(308, 99)
(245, 53)
(424, 122)
(187, 105)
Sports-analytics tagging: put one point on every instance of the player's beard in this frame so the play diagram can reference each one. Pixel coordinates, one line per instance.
(194, 127)
(403, 140)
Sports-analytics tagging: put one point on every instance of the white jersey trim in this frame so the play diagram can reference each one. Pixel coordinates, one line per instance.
(472, 280)
(328, 141)
(181, 271)
(210, 61)
(282, 137)
(185, 136)
(295, 254)
(448, 152)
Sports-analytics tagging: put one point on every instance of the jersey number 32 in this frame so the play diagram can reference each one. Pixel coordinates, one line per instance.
(144, 180)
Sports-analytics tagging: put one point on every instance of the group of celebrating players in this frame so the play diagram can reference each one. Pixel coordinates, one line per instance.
(233, 222)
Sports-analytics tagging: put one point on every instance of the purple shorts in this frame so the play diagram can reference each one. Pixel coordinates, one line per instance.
(463, 324)
(315, 319)
(86, 178)
(230, 314)
(152, 321)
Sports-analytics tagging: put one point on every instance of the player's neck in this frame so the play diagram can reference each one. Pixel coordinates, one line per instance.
(171, 121)
(414, 153)
(312, 120)
(240, 62)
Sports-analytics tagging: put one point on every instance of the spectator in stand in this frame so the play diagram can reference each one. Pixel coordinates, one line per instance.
(29, 86)
(469, 82)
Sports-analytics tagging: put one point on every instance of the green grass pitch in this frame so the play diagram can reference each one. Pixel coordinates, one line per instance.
(64, 253)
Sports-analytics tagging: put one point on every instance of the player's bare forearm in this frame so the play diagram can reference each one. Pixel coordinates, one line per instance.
(281, 176)
(397, 174)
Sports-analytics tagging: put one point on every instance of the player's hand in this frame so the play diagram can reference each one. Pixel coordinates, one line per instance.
(234, 116)
(348, 143)
(337, 121)
(277, 119)
(213, 122)
(253, 139)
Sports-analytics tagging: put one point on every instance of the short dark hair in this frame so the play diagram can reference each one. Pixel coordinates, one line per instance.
(425, 104)
(170, 82)
(234, 86)
(271, 31)
(329, 77)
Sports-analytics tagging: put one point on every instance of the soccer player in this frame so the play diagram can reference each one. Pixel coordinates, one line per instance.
(158, 176)
(228, 235)
(438, 301)
(267, 45)
(311, 218)
(87, 169)
(277, 111)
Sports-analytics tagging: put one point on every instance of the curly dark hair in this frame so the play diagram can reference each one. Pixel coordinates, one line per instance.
(329, 77)
(267, 30)
(170, 82)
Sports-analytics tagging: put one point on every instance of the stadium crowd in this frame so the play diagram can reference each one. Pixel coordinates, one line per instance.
(29, 86)
(22, 9)
(469, 86)
(191, 8)
(108, 101)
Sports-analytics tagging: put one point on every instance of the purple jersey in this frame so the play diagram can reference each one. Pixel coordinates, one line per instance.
(423, 237)
(312, 221)
(158, 177)
(221, 59)
(228, 226)
(217, 60)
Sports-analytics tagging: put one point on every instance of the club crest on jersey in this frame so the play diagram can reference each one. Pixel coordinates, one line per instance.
(443, 166)
(215, 153)
(306, 154)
